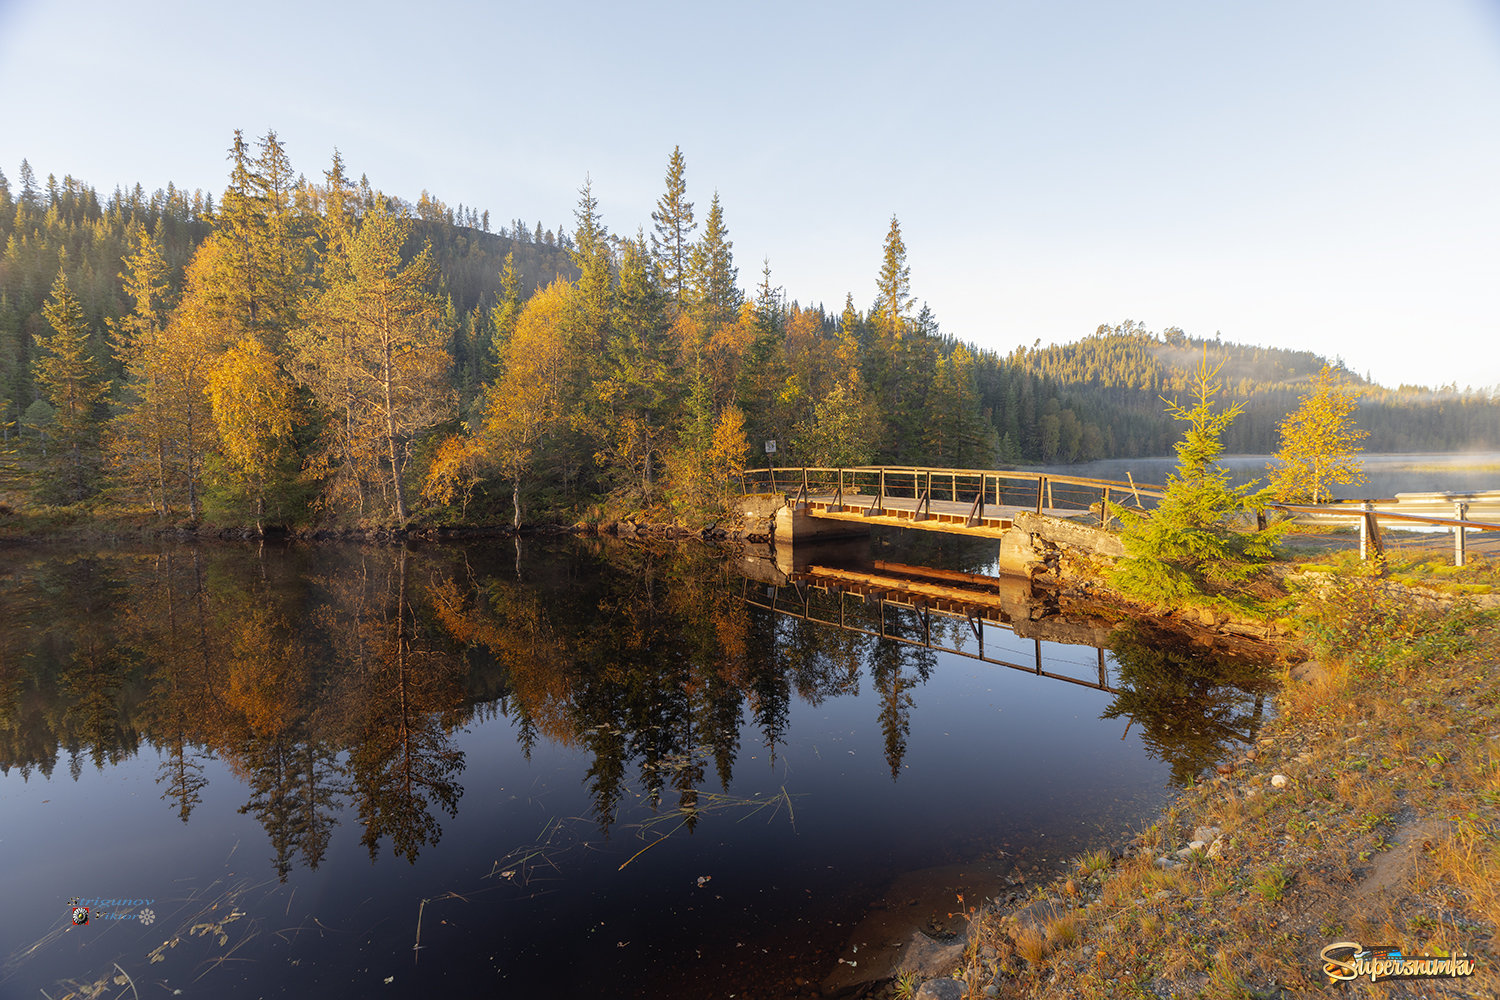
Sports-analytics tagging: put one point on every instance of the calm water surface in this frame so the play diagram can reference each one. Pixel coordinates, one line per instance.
(363, 771)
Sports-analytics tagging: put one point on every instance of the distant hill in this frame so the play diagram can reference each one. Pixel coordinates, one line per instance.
(1113, 381)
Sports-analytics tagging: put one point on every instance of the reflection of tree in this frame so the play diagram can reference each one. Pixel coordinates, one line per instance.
(403, 762)
(94, 674)
(1190, 701)
(182, 772)
(770, 692)
(648, 664)
(895, 668)
(163, 622)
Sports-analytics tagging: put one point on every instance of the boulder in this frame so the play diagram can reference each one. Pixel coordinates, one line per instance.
(929, 957)
(941, 989)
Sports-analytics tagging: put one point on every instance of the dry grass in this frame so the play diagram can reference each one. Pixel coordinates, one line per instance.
(1062, 931)
(1031, 944)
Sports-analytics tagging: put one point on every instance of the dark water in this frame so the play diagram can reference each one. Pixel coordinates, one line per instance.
(568, 767)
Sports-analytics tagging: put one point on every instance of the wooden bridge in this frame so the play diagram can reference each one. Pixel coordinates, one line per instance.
(975, 502)
(984, 503)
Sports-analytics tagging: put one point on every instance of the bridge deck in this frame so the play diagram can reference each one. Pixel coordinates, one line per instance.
(936, 515)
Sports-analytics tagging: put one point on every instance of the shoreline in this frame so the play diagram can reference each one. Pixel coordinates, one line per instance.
(1365, 811)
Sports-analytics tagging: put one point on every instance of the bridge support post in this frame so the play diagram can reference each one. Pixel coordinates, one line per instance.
(1461, 513)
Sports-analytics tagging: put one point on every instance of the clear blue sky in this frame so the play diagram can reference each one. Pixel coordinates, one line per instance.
(1303, 174)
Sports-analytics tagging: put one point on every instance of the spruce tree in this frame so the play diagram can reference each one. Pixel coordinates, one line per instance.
(1188, 550)
(592, 256)
(74, 383)
(715, 293)
(505, 311)
(671, 243)
(895, 299)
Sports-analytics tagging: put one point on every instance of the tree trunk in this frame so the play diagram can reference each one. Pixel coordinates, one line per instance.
(515, 500)
(161, 474)
(390, 437)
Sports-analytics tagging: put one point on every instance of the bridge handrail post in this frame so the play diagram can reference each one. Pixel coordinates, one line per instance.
(1041, 484)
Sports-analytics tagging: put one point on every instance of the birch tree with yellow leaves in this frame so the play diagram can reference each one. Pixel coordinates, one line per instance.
(1319, 444)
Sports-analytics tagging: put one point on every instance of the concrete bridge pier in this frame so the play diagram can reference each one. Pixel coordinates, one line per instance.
(795, 525)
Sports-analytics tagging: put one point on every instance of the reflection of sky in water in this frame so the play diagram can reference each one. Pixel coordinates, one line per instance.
(995, 760)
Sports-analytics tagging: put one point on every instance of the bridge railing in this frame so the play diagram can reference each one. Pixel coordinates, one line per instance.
(978, 488)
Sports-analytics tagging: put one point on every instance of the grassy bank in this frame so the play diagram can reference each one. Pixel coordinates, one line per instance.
(1368, 811)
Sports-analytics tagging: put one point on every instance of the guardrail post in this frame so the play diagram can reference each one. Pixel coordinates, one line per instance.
(1461, 513)
(1041, 484)
(1104, 509)
(1369, 534)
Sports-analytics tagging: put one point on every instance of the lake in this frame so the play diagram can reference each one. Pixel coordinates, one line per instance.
(1385, 474)
(568, 766)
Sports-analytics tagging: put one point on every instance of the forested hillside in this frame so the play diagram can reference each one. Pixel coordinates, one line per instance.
(298, 351)
(1115, 379)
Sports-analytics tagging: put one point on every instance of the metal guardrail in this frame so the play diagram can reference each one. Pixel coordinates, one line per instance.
(1370, 515)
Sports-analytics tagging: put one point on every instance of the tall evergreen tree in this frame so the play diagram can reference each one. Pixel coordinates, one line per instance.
(506, 310)
(895, 300)
(592, 256)
(28, 186)
(672, 241)
(635, 387)
(73, 382)
(715, 292)
(139, 443)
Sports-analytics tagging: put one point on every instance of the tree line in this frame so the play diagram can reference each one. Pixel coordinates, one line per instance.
(314, 350)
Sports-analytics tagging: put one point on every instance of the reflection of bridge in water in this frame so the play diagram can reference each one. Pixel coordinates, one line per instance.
(865, 602)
